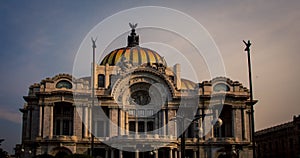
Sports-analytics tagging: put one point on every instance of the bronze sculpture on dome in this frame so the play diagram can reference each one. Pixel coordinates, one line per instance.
(133, 26)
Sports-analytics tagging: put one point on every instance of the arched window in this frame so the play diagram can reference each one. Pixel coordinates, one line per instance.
(64, 84)
(221, 87)
(101, 80)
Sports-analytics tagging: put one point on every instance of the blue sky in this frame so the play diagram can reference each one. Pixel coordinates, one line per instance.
(39, 39)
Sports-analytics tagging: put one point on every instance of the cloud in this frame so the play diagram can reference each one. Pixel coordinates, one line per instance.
(12, 116)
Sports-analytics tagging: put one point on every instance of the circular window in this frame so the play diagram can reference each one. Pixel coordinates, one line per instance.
(221, 87)
(64, 84)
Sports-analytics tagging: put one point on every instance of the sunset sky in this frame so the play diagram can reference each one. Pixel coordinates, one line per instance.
(40, 39)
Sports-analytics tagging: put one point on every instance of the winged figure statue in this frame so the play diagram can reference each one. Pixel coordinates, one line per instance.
(133, 26)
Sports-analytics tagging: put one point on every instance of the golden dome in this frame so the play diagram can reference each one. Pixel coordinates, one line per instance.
(133, 53)
(188, 85)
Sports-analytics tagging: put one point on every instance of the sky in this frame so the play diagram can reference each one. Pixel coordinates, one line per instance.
(40, 39)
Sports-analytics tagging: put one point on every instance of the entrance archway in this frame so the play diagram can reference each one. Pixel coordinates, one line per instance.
(60, 152)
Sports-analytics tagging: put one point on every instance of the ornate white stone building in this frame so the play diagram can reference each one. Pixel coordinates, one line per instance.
(136, 112)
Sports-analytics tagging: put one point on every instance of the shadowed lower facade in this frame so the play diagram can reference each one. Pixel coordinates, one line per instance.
(142, 108)
(279, 141)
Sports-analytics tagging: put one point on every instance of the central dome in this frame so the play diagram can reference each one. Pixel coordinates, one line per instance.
(133, 53)
(136, 55)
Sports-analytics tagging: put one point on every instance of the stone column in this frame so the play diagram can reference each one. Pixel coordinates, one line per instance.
(85, 121)
(114, 122)
(179, 153)
(40, 121)
(106, 153)
(136, 125)
(112, 153)
(156, 153)
(122, 122)
(159, 122)
(46, 122)
(199, 129)
(136, 153)
(243, 124)
(120, 154)
(233, 116)
(249, 125)
(175, 153)
(156, 123)
(119, 121)
(77, 121)
(51, 122)
(204, 123)
(171, 128)
(194, 153)
(90, 120)
(170, 153)
(175, 127)
(126, 123)
(164, 122)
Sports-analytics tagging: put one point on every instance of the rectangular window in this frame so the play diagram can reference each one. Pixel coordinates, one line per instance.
(131, 112)
(132, 126)
(101, 80)
(141, 126)
(141, 112)
(150, 125)
(149, 112)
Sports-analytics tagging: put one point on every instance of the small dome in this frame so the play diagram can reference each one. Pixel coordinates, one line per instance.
(133, 53)
(187, 84)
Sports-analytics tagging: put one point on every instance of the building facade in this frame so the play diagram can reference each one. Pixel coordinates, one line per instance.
(279, 141)
(142, 108)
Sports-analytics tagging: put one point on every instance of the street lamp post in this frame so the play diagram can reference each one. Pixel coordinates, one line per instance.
(247, 49)
(93, 95)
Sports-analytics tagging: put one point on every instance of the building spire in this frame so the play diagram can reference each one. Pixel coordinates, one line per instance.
(133, 38)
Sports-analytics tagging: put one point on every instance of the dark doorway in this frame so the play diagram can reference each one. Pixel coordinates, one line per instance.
(61, 154)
